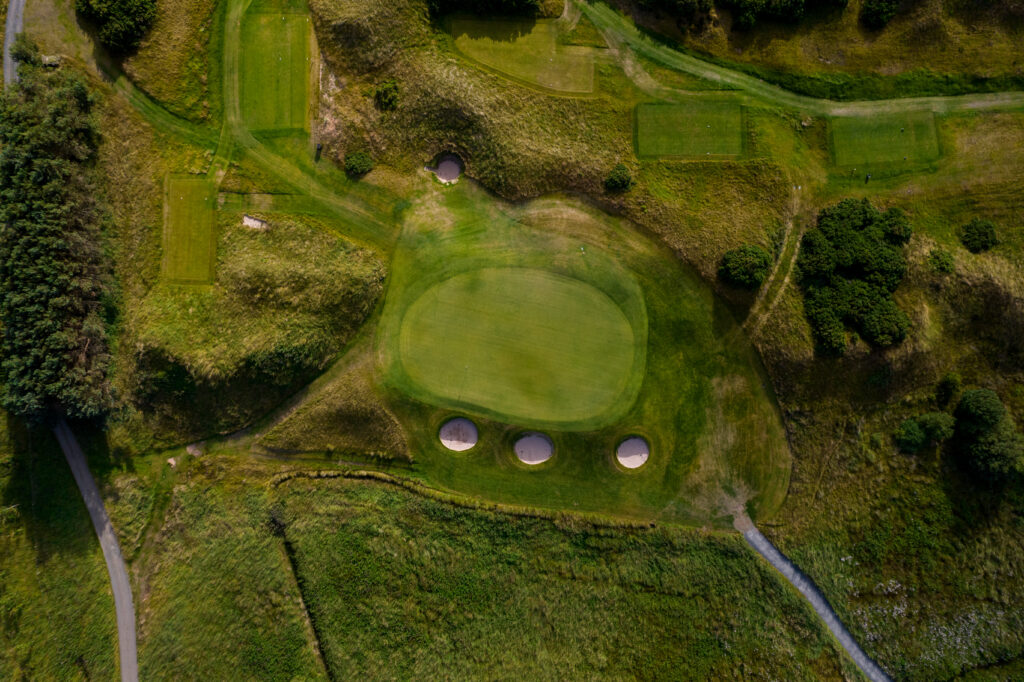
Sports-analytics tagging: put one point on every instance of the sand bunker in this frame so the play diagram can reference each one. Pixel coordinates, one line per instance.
(633, 452)
(534, 448)
(458, 434)
(449, 168)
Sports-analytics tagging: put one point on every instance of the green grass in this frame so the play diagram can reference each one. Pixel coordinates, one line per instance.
(702, 404)
(696, 129)
(57, 611)
(418, 589)
(526, 50)
(276, 70)
(523, 344)
(190, 241)
(880, 141)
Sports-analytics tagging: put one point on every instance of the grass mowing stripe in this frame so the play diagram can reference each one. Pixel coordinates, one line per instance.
(885, 139)
(275, 70)
(523, 342)
(189, 240)
(697, 129)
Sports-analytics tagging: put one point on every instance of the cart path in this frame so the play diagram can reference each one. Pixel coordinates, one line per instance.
(119, 584)
(810, 591)
(15, 20)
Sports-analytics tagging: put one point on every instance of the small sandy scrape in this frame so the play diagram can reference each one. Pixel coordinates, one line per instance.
(633, 452)
(534, 448)
(458, 434)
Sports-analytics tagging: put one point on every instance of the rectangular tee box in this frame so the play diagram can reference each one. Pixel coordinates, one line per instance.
(189, 240)
(697, 129)
(276, 68)
(890, 139)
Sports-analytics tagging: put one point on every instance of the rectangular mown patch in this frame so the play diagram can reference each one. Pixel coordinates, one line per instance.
(276, 68)
(890, 139)
(698, 129)
(190, 242)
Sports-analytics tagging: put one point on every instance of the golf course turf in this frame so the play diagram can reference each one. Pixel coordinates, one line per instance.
(696, 129)
(865, 141)
(189, 241)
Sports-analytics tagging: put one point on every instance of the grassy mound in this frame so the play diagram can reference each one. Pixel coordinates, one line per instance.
(285, 302)
(522, 343)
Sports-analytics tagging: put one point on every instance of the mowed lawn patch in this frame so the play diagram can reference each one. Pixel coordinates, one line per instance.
(889, 139)
(276, 66)
(696, 129)
(190, 243)
(523, 342)
(526, 50)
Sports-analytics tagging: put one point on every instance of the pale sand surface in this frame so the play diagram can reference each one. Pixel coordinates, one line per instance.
(458, 434)
(633, 452)
(534, 448)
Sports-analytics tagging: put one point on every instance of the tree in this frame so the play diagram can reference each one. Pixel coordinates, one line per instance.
(978, 412)
(910, 437)
(937, 426)
(978, 235)
(941, 261)
(619, 179)
(747, 266)
(875, 14)
(997, 453)
(484, 7)
(386, 96)
(358, 164)
(120, 24)
(52, 272)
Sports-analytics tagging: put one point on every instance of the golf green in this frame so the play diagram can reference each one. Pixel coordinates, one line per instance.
(523, 342)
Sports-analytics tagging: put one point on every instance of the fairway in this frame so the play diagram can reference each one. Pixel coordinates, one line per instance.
(189, 240)
(276, 66)
(697, 129)
(889, 139)
(527, 51)
(522, 342)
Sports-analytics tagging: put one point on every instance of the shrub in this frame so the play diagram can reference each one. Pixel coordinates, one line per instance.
(358, 164)
(941, 261)
(910, 437)
(120, 24)
(386, 96)
(619, 179)
(875, 14)
(947, 388)
(978, 235)
(937, 426)
(978, 411)
(484, 7)
(748, 266)
(896, 226)
(997, 453)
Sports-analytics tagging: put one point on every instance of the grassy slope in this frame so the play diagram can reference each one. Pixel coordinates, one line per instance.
(57, 612)
(399, 583)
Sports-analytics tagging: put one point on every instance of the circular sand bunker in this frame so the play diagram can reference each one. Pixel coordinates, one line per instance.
(458, 434)
(534, 448)
(449, 168)
(633, 452)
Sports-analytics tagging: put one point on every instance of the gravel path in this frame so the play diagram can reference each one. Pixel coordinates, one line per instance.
(810, 591)
(111, 550)
(15, 19)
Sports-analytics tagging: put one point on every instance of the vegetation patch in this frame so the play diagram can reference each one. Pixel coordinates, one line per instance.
(190, 240)
(868, 142)
(277, 65)
(527, 50)
(697, 129)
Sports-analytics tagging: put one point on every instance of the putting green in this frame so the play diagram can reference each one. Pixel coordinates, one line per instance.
(522, 342)
(891, 139)
(277, 66)
(189, 240)
(698, 129)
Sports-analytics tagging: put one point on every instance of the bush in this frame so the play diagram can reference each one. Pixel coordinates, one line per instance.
(978, 411)
(875, 14)
(849, 264)
(748, 266)
(910, 437)
(386, 96)
(937, 426)
(619, 179)
(120, 24)
(947, 388)
(358, 164)
(940, 261)
(978, 235)
(997, 453)
(484, 7)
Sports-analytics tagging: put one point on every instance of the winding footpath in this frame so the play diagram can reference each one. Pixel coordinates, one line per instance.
(119, 583)
(15, 20)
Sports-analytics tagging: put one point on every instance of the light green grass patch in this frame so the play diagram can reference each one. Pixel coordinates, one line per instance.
(695, 129)
(524, 342)
(888, 139)
(277, 66)
(526, 50)
(190, 241)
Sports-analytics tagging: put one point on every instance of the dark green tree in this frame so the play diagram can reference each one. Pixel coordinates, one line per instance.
(52, 270)
(978, 235)
(120, 24)
(941, 261)
(910, 437)
(937, 426)
(987, 441)
(385, 96)
(619, 179)
(358, 164)
(978, 412)
(875, 14)
(747, 266)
